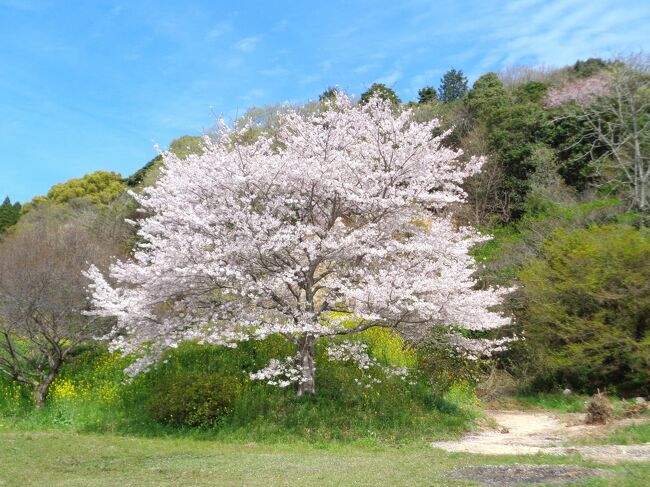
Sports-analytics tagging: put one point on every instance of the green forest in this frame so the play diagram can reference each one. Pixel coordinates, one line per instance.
(563, 197)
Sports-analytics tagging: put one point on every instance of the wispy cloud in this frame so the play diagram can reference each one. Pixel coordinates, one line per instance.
(218, 30)
(390, 79)
(248, 44)
(281, 25)
(275, 71)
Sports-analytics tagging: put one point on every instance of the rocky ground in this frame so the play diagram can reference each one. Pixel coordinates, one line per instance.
(532, 432)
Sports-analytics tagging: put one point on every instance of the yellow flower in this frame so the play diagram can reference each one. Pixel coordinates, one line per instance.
(64, 389)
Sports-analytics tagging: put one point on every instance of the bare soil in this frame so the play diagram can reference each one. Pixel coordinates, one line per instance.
(517, 474)
(533, 432)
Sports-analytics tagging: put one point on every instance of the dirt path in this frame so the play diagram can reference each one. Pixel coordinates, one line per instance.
(531, 432)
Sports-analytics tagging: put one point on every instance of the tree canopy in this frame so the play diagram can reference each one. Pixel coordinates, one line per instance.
(9, 214)
(453, 86)
(98, 187)
(323, 230)
(382, 91)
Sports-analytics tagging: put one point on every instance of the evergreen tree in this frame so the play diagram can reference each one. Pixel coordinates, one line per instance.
(382, 91)
(427, 94)
(453, 86)
(9, 214)
(330, 93)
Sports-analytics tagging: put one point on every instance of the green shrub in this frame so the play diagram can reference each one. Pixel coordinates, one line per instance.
(193, 399)
(585, 310)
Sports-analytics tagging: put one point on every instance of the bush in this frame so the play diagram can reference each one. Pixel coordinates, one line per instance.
(446, 368)
(193, 399)
(585, 309)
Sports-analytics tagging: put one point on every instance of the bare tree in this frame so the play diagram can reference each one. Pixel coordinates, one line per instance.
(615, 106)
(515, 75)
(43, 297)
(487, 198)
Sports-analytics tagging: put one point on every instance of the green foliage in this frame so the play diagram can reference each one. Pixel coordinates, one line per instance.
(585, 69)
(187, 145)
(586, 309)
(182, 147)
(447, 369)
(329, 93)
(138, 177)
(207, 386)
(487, 98)
(9, 214)
(193, 399)
(576, 147)
(453, 86)
(100, 187)
(515, 126)
(382, 91)
(627, 435)
(556, 402)
(428, 94)
(532, 91)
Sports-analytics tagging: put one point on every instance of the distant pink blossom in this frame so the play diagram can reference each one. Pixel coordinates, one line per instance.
(582, 91)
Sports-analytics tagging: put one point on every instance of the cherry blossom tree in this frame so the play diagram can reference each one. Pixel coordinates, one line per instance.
(336, 218)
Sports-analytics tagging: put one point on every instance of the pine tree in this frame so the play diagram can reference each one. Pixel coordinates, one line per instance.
(453, 86)
(9, 214)
(427, 94)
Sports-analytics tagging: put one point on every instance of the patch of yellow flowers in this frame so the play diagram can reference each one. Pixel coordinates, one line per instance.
(97, 384)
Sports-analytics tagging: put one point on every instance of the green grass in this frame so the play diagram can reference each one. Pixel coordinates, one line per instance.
(91, 397)
(558, 403)
(61, 459)
(625, 435)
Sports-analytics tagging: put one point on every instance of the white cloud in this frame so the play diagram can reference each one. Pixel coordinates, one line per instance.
(390, 79)
(218, 30)
(276, 71)
(247, 44)
(281, 25)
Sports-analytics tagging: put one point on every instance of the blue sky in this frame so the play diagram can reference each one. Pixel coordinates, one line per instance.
(88, 85)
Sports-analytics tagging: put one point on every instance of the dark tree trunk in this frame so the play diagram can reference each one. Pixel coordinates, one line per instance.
(306, 353)
(42, 388)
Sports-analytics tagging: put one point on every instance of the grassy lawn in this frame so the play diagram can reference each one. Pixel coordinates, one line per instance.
(53, 459)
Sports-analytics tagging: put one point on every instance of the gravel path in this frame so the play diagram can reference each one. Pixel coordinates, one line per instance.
(531, 432)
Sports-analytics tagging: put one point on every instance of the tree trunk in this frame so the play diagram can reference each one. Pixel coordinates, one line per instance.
(42, 388)
(306, 353)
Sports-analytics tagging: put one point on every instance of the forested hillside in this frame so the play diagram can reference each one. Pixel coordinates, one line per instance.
(563, 192)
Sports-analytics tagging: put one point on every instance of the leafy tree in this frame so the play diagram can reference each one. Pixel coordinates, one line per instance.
(453, 86)
(586, 69)
(182, 147)
(330, 93)
(488, 99)
(100, 187)
(9, 214)
(514, 128)
(531, 91)
(327, 233)
(137, 178)
(187, 145)
(586, 309)
(427, 94)
(382, 91)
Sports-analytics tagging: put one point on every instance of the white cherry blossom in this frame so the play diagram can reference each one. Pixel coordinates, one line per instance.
(338, 213)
